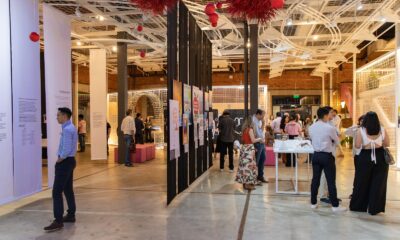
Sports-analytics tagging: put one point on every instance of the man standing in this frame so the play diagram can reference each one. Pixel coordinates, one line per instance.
(259, 125)
(128, 129)
(64, 171)
(226, 127)
(324, 140)
(82, 132)
(276, 124)
(139, 129)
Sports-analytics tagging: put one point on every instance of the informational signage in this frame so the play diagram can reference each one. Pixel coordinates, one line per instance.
(196, 103)
(201, 131)
(187, 106)
(174, 147)
(185, 130)
(177, 90)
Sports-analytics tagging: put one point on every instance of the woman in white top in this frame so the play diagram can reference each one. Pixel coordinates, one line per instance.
(370, 181)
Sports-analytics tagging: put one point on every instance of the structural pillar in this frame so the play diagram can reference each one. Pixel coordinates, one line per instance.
(246, 69)
(122, 62)
(323, 90)
(354, 98)
(397, 92)
(254, 68)
(331, 88)
(75, 109)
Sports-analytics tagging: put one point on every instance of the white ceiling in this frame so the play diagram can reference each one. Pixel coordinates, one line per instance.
(305, 34)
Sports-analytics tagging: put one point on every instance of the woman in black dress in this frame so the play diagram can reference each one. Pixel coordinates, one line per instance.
(370, 181)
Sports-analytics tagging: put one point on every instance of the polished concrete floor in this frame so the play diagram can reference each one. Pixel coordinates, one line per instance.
(115, 202)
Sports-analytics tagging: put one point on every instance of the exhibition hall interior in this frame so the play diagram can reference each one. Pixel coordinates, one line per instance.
(200, 119)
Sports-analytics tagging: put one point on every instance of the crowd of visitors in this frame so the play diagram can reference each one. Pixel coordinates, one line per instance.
(324, 132)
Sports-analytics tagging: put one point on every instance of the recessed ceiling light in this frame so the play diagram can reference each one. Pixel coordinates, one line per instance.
(360, 6)
(248, 45)
(289, 22)
(304, 63)
(382, 19)
(114, 49)
(100, 17)
(315, 37)
(79, 43)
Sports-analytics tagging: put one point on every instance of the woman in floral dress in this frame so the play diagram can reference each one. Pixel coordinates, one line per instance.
(247, 171)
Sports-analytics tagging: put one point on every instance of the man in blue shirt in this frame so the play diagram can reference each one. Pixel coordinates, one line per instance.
(64, 169)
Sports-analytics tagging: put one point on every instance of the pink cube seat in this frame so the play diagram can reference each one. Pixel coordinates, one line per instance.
(270, 156)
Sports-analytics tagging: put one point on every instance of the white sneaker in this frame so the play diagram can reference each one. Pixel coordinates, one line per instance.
(221, 170)
(314, 206)
(231, 171)
(338, 209)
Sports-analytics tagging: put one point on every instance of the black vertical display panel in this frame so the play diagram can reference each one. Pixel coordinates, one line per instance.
(192, 77)
(209, 79)
(199, 80)
(194, 63)
(183, 77)
(204, 83)
(172, 41)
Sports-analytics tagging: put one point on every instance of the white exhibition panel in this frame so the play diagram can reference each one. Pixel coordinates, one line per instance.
(57, 57)
(6, 163)
(25, 58)
(98, 104)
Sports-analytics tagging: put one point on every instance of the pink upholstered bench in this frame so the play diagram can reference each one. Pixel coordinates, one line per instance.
(270, 156)
(141, 155)
(150, 151)
(116, 155)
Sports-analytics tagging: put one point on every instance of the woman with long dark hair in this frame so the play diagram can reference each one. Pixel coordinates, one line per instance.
(370, 181)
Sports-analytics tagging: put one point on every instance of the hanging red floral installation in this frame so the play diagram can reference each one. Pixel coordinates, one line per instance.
(155, 6)
(261, 10)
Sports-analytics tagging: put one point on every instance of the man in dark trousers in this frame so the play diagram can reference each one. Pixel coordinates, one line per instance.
(139, 129)
(324, 140)
(226, 129)
(64, 171)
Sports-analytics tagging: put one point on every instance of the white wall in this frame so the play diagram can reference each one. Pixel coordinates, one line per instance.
(6, 163)
(26, 98)
(57, 54)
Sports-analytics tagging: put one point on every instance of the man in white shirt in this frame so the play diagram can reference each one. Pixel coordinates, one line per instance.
(82, 132)
(324, 139)
(128, 129)
(276, 124)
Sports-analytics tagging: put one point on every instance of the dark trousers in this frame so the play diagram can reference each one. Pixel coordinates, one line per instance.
(223, 151)
(260, 158)
(291, 159)
(82, 137)
(139, 139)
(147, 133)
(63, 183)
(370, 183)
(324, 162)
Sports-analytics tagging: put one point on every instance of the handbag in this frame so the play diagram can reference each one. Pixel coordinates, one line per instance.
(386, 153)
(388, 157)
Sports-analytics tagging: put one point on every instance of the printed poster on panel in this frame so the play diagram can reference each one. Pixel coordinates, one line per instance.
(187, 99)
(174, 129)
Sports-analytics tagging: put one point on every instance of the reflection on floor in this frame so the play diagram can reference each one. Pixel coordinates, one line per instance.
(115, 202)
